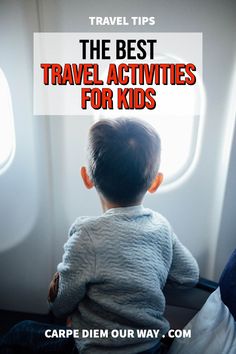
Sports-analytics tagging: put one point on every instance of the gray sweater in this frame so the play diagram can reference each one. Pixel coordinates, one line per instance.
(112, 274)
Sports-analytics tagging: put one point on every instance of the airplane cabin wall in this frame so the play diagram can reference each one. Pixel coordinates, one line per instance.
(25, 199)
(42, 193)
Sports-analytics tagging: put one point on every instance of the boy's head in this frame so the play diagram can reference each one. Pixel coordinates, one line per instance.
(124, 158)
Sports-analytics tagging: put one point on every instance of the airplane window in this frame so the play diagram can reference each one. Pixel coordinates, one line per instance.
(178, 144)
(177, 120)
(7, 131)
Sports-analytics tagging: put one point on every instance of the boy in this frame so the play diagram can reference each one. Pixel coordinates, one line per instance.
(115, 266)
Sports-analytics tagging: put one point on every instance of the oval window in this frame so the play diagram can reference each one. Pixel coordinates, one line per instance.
(7, 131)
(177, 120)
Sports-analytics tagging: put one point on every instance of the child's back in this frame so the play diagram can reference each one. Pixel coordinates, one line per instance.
(115, 267)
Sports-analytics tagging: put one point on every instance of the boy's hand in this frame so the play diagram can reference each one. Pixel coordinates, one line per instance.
(69, 321)
(53, 288)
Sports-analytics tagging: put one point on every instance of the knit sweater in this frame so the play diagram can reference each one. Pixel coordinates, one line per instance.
(112, 274)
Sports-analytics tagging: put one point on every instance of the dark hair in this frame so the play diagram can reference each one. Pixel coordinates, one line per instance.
(124, 157)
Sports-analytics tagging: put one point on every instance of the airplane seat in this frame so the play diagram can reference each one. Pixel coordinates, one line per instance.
(183, 303)
(213, 329)
(227, 284)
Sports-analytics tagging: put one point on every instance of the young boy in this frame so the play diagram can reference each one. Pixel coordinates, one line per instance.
(115, 266)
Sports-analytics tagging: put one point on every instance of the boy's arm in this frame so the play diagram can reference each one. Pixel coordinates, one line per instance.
(184, 268)
(74, 273)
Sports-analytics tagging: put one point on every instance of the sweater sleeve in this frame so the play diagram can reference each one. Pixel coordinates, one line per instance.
(75, 272)
(184, 268)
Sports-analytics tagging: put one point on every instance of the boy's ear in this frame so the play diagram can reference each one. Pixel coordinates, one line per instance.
(85, 177)
(156, 183)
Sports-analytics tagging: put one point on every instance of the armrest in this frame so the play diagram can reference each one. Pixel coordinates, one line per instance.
(183, 303)
(207, 285)
(192, 298)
